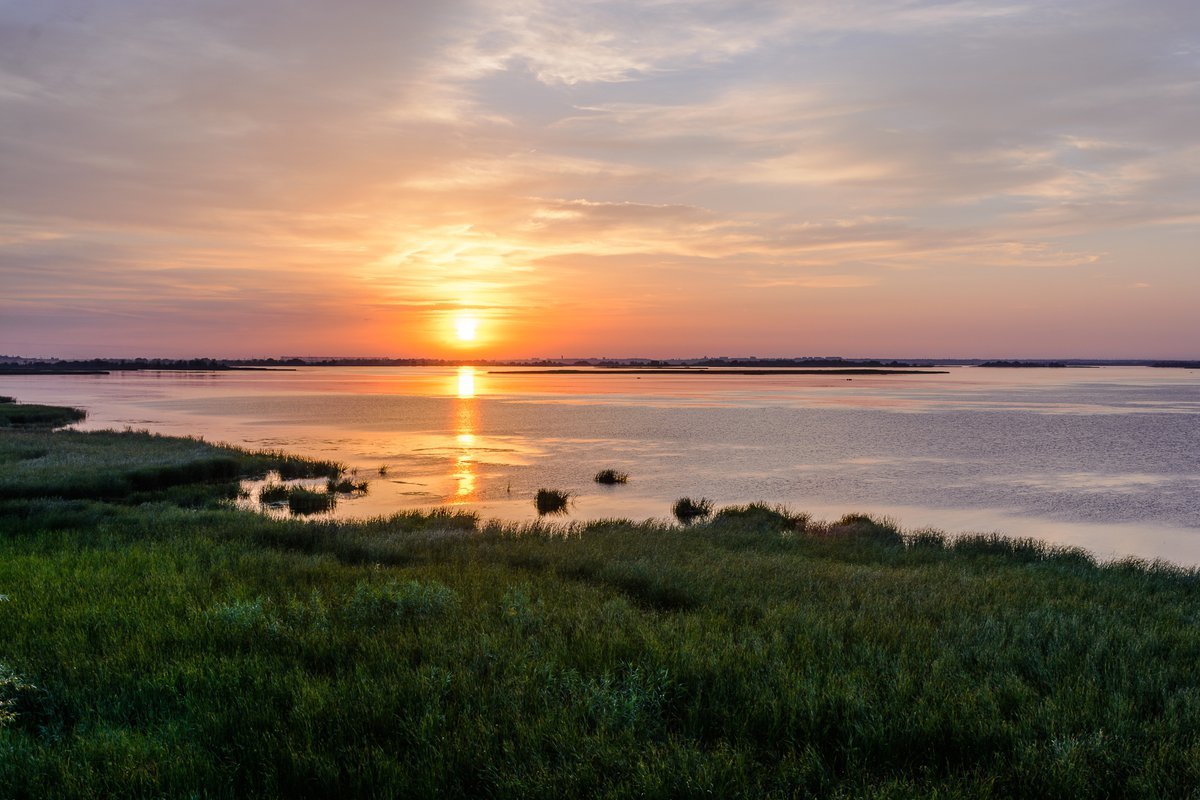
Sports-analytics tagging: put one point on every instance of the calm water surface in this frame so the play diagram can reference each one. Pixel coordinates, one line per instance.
(1106, 458)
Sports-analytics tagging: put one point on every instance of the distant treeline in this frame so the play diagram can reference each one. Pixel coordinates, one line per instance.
(13, 365)
(94, 365)
(104, 365)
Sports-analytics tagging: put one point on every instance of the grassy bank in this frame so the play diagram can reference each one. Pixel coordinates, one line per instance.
(155, 642)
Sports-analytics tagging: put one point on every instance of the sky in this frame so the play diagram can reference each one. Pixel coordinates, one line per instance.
(891, 178)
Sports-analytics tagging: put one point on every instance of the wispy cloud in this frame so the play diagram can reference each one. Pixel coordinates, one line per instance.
(372, 167)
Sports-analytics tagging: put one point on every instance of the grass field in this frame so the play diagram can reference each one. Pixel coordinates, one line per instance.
(155, 642)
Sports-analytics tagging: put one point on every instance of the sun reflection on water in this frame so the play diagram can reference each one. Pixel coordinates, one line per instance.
(466, 383)
(465, 425)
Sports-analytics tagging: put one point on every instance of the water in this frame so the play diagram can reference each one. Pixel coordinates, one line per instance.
(1106, 458)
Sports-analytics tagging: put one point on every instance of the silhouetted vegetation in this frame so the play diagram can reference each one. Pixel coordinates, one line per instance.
(309, 501)
(687, 510)
(611, 476)
(1177, 364)
(346, 486)
(551, 501)
(274, 493)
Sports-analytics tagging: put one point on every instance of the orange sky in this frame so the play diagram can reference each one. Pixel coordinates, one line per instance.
(867, 177)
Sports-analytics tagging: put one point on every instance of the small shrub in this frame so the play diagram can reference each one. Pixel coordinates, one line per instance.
(611, 476)
(307, 501)
(688, 510)
(6, 399)
(551, 501)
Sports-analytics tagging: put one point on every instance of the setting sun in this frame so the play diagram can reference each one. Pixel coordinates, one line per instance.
(465, 327)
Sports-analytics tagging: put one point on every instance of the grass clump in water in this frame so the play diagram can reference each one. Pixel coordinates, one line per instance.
(551, 501)
(309, 501)
(687, 510)
(346, 486)
(611, 476)
(274, 493)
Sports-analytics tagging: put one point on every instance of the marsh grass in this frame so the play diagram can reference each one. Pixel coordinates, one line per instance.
(160, 651)
(687, 510)
(27, 415)
(309, 501)
(611, 477)
(131, 466)
(551, 501)
(274, 493)
(346, 486)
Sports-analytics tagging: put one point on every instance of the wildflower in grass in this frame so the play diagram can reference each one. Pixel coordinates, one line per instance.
(12, 688)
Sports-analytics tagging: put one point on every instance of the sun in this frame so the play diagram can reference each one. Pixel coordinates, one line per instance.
(466, 326)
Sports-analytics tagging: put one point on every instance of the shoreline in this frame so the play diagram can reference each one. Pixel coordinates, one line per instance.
(158, 640)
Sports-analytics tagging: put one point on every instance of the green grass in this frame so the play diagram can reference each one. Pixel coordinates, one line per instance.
(309, 501)
(131, 466)
(153, 650)
(551, 501)
(24, 415)
(611, 477)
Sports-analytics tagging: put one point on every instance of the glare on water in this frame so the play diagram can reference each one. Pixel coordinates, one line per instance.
(1107, 457)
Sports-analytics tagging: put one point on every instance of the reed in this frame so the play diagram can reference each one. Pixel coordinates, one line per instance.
(687, 510)
(611, 477)
(551, 501)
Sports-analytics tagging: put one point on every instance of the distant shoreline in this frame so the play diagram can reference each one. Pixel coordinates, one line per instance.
(717, 371)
